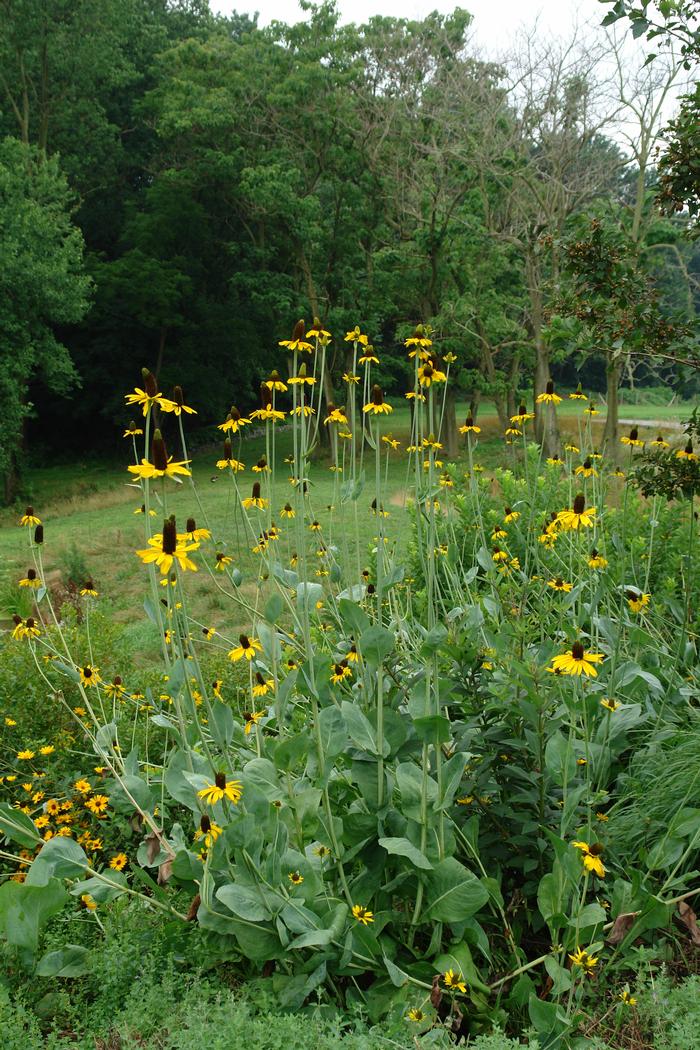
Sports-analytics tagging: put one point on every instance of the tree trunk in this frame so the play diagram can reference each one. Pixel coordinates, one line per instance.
(546, 426)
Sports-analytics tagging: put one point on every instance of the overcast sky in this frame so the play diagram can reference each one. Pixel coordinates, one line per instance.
(495, 21)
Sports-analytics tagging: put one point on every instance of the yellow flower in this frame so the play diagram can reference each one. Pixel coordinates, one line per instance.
(262, 685)
(659, 443)
(597, 561)
(268, 413)
(637, 601)
(626, 998)
(132, 430)
(297, 342)
(610, 705)
(362, 914)
(221, 788)
(222, 560)
(415, 1014)
(340, 672)
(247, 648)
(470, 426)
(207, 830)
(557, 584)
(586, 469)
(295, 878)
(584, 960)
(165, 548)
(233, 422)
(377, 406)
(163, 465)
(548, 396)
(89, 675)
(356, 336)
(275, 383)
(578, 517)
(82, 786)
(428, 374)
(591, 857)
(591, 410)
(31, 579)
(118, 862)
(633, 439)
(47, 749)
(499, 555)
(318, 332)
(522, 417)
(25, 756)
(576, 662)
(150, 396)
(288, 511)
(510, 515)
(335, 415)
(578, 394)
(88, 901)
(10, 722)
(454, 981)
(687, 453)
(251, 719)
(177, 404)
(369, 357)
(29, 518)
(255, 499)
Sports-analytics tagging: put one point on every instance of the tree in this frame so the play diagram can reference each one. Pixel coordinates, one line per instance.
(42, 284)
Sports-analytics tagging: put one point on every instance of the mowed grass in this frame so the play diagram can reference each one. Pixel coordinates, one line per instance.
(89, 506)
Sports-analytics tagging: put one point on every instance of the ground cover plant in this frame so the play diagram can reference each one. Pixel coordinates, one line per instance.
(439, 775)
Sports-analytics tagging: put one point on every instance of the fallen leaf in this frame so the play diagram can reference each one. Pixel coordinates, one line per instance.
(688, 918)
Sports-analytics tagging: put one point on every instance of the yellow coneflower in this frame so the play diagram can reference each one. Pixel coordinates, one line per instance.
(335, 415)
(88, 590)
(522, 416)
(578, 517)
(317, 331)
(609, 704)
(295, 878)
(555, 461)
(470, 426)
(578, 394)
(427, 375)
(369, 357)
(88, 902)
(513, 432)
(597, 561)
(510, 515)
(591, 410)
(192, 534)
(637, 601)
(163, 466)
(84, 787)
(419, 342)
(659, 442)
(574, 449)
(582, 958)
(31, 579)
(586, 469)
(687, 453)
(247, 648)
(262, 686)
(340, 672)
(255, 499)
(115, 689)
(233, 422)
(297, 342)
(391, 441)
(208, 831)
(362, 914)
(633, 439)
(626, 998)
(377, 406)
(89, 675)
(177, 405)
(132, 430)
(557, 584)
(498, 555)
(222, 560)
(415, 1014)
(275, 382)
(454, 981)
(220, 789)
(576, 662)
(251, 719)
(149, 396)
(356, 336)
(548, 396)
(228, 460)
(165, 549)
(29, 518)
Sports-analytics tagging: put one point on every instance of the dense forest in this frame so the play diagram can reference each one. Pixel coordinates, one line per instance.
(178, 188)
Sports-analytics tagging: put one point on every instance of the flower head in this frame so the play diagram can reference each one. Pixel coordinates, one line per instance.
(591, 857)
(247, 648)
(162, 465)
(576, 662)
(377, 406)
(454, 981)
(548, 396)
(362, 914)
(221, 788)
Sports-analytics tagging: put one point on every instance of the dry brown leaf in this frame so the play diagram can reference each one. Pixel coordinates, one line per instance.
(193, 908)
(688, 918)
(436, 993)
(621, 927)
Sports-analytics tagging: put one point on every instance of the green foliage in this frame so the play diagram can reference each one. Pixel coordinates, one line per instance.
(42, 284)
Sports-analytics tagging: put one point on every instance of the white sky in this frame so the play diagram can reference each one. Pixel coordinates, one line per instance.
(495, 21)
